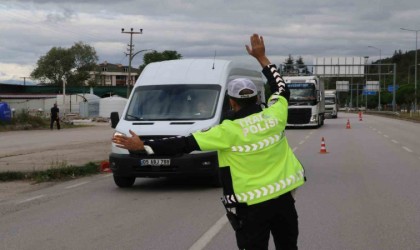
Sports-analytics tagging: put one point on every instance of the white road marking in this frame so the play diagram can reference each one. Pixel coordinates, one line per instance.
(379, 132)
(32, 198)
(205, 239)
(306, 137)
(394, 141)
(386, 136)
(407, 149)
(76, 185)
(301, 142)
(294, 149)
(107, 175)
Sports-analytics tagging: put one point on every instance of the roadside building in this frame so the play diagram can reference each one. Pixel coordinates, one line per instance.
(106, 80)
(108, 74)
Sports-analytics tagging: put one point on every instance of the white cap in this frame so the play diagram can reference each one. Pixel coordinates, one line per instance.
(239, 84)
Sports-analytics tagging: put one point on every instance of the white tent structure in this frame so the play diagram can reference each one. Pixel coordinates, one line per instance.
(89, 107)
(111, 104)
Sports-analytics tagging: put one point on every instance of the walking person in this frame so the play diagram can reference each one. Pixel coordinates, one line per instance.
(55, 116)
(258, 168)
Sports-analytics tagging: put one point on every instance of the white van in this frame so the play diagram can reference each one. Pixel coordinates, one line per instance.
(176, 98)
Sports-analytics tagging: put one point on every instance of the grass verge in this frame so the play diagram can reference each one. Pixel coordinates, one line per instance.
(57, 173)
(24, 121)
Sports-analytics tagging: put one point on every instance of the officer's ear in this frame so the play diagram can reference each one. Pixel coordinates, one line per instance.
(234, 105)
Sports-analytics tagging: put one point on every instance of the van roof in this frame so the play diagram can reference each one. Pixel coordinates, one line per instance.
(194, 71)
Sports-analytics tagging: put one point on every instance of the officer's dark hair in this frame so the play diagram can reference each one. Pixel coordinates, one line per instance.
(243, 102)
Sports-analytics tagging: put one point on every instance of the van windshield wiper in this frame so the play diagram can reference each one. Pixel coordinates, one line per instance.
(136, 118)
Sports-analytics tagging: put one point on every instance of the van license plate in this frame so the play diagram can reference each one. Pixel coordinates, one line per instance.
(155, 162)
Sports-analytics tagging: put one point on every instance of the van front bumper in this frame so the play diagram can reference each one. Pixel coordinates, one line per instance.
(128, 165)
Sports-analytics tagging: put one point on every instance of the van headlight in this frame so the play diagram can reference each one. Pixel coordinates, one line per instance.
(118, 133)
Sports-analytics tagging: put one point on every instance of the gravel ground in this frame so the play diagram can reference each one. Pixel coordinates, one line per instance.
(42, 149)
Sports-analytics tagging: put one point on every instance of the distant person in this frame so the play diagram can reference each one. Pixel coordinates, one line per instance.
(55, 117)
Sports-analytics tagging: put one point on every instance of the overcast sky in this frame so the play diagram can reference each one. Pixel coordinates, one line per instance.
(197, 28)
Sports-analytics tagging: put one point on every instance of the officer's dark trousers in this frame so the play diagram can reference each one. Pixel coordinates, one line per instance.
(277, 216)
(52, 123)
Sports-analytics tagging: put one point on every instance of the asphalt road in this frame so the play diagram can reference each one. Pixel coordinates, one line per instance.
(362, 194)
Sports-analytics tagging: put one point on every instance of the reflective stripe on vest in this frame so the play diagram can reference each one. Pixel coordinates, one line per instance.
(270, 189)
(258, 145)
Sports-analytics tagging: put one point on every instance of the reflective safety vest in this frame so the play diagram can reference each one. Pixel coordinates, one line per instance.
(262, 164)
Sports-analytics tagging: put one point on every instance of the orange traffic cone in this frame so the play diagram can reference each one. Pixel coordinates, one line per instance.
(348, 124)
(323, 149)
(360, 116)
(105, 167)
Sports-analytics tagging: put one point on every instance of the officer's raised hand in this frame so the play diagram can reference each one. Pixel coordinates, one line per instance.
(257, 49)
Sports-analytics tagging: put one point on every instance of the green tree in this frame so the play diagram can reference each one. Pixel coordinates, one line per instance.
(85, 59)
(301, 66)
(71, 65)
(405, 96)
(158, 57)
(288, 65)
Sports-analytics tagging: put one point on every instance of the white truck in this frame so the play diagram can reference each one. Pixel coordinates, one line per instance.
(306, 104)
(331, 103)
(175, 98)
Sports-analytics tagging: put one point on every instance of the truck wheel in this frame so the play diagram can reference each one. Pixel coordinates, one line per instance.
(124, 182)
(318, 125)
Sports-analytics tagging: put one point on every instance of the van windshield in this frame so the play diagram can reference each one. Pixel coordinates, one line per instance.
(173, 102)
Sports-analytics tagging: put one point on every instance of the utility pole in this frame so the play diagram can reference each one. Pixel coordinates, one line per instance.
(394, 103)
(24, 80)
(130, 57)
(415, 71)
(380, 62)
(366, 75)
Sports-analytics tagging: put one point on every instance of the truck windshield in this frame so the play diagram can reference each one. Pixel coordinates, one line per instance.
(329, 100)
(173, 102)
(302, 92)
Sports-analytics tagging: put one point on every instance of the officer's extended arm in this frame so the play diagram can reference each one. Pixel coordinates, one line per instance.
(276, 82)
(171, 146)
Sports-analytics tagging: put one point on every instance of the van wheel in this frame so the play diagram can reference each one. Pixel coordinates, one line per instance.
(124, 182)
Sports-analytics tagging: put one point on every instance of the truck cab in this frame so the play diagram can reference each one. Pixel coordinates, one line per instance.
(331, 103)
(306, 104)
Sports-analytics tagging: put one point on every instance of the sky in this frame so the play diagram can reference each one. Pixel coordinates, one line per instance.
(202, 29)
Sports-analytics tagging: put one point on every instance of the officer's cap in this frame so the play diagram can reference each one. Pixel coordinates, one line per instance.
(236, 86)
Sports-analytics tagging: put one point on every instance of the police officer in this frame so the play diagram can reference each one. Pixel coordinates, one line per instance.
(258, 168)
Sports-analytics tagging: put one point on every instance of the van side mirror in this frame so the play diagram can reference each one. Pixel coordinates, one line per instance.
(115, 118)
